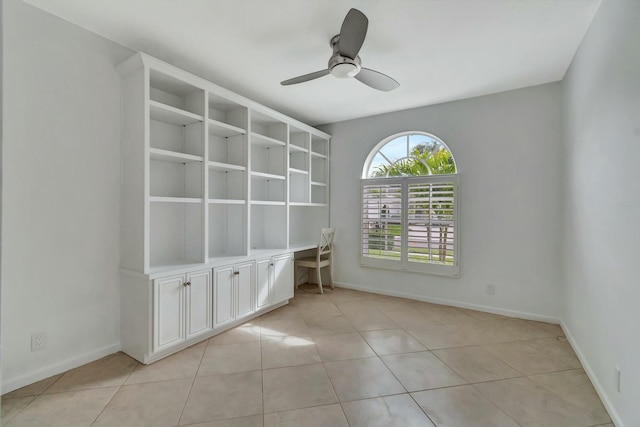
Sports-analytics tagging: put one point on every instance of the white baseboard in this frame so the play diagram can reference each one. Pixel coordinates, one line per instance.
(453, 303)
(615, 417)
(15, 383)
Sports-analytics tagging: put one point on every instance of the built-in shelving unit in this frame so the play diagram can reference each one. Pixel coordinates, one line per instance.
(227, 126)
(176, 170)
(217, 192)
(308, 185)
(299, 141)
(208, 174)
(319, 170)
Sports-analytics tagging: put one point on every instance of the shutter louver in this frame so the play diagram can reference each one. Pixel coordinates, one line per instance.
(382, 221)
(430, 223)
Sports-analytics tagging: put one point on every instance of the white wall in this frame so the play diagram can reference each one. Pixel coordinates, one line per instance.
(508, 151)
(602, 222)
(1, 134)
(60, 210)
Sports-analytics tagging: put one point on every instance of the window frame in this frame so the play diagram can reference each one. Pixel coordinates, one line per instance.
(375, 150)
(404, 264)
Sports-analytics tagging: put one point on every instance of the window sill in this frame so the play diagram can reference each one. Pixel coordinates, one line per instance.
(452, 271)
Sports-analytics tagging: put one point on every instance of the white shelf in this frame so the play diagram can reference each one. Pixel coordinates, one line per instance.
(322, 156)
(319, 184)
(266, 176)
(267, 203)
(293, 147)
(265, 141)
(306, 204)
(175, 116)
(225, 167)
(173, 156)
(226, 201)
(299, 171)
(157, 199)
(224, 130)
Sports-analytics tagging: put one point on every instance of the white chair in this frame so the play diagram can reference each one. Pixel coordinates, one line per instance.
(323, 258)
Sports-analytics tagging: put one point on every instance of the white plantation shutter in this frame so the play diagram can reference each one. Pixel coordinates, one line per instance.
(382, 219)
(410, 223)
(430, 222)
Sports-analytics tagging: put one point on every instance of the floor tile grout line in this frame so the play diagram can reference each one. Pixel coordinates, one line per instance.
(52, 384)
(216, 421)
(476, 382)
(386, 366)
(193, 381)
(73, 390)
(20, 411)
(560, 397)
(304, 407)
(107, 404)
(422, 409)
(262, 370)
(495, 403)
(513, 367)
(36, 395)
(474, 344)
(545, 388)
(333, 387)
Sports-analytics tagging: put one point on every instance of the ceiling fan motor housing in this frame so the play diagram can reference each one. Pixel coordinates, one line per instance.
(340, 66)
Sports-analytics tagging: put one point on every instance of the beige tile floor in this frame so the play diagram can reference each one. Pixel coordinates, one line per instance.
(344, 358)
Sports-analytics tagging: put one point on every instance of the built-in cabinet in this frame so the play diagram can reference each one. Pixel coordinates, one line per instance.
(274, 280)
(215, 188)
(182, 308)
(234, 292)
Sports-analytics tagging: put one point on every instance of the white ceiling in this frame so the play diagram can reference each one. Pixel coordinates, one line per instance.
(439, 50)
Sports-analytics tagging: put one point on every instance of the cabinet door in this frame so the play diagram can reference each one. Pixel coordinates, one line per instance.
(244, 290)
(199, 302)
(168, 311)
(223, 279)
(282, 277)
(262, 283)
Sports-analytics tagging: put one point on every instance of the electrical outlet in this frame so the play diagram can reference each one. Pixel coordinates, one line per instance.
(617, 378)
(491, 289)
(38, 341)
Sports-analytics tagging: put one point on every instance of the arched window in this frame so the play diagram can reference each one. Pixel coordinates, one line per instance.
(409, 205)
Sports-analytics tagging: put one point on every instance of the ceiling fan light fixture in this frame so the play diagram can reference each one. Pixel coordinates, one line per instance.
(345, 62)
(345, 70)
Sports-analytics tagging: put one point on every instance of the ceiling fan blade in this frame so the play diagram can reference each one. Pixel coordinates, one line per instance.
(352, 33)
(305, 78)
(376, 80)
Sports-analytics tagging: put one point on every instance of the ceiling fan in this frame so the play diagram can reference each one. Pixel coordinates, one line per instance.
(345, 62)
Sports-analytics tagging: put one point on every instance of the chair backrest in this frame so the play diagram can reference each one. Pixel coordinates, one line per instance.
(326, 241)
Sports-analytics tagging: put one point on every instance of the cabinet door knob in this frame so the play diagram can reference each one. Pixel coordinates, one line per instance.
(186, 284)
(236, 272)
(271, 264)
